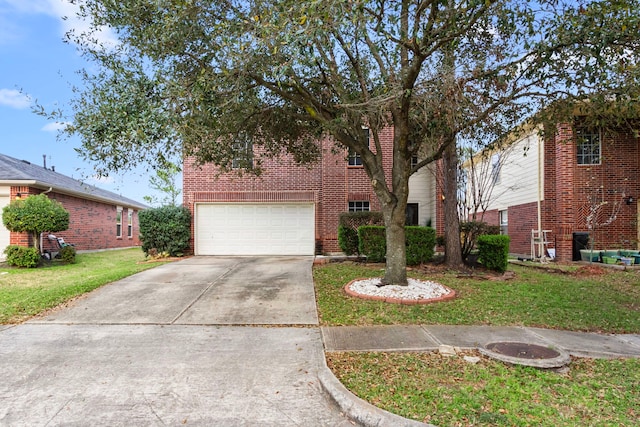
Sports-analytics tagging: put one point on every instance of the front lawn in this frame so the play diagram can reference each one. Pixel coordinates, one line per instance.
(449, 391)
(452, 392)
(571, 299)
(27, 292)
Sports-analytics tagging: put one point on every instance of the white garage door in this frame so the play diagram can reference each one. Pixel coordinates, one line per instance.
(255, 229)
(4, 233)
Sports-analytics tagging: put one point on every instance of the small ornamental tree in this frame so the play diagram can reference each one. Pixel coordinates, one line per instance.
(34, 215)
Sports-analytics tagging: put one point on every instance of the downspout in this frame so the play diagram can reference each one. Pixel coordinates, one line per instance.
(540, 235)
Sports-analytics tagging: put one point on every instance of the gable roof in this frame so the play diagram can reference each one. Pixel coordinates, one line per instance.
(22, 172)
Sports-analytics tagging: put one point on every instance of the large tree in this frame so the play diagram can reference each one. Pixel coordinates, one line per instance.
(191, 77)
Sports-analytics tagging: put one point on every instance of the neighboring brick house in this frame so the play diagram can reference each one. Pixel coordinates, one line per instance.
(288, 209)
(588, 185)
(98, 219)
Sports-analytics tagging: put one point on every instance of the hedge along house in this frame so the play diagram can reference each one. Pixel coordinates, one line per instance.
(289, 209)
(576, 182)
(98, 219)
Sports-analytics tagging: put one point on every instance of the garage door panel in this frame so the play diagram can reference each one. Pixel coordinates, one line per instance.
(255, 229)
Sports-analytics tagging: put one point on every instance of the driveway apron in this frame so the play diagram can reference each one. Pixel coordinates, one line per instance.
(186, 343)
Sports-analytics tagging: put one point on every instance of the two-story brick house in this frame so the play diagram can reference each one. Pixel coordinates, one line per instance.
(575, 181)
(289, 209)
(98, 219)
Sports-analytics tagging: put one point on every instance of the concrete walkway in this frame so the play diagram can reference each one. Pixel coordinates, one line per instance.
(217, 341)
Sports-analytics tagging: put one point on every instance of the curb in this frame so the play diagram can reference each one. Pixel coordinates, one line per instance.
(358, 410)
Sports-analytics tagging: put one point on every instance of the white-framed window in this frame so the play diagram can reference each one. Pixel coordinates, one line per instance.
(119, 221)
(354, 158)
(243, 153)
(359, 206)
(504, 221)
(130, 223)
(588, 146)
(496, 167)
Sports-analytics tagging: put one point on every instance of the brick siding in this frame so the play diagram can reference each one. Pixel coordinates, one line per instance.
(568, 188)
(330, 183)
(92, 224)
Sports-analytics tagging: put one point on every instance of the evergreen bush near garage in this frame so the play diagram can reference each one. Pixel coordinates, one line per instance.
(494, 252)
(165, 229)
(348, 229)
(419, 241)
(21, 256)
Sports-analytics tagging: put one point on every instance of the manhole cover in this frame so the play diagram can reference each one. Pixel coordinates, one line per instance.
(519, 353)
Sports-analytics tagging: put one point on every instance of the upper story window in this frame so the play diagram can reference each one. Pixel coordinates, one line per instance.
(119, 221)
(354, 158)
(243, 153)
(359, 206)
(414, 161)
(496, 167)
(588, 147)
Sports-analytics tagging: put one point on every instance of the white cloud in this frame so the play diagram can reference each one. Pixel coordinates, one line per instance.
(101, 179)
(14, 98)
(66, 13)
(55, 126)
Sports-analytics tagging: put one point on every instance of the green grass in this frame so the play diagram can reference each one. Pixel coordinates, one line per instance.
(451, 392)
(559, 299)
(28, 292)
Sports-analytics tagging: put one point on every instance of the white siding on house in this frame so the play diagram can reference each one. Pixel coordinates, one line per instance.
(422, 192)
(5, 197)
(517, 183)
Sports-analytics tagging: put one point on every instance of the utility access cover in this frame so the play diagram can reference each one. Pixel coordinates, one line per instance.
(519, 353)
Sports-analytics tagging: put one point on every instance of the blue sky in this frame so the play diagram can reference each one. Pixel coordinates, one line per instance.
(36, 65)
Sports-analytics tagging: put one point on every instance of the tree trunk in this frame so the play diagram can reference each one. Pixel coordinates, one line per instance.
(35, 240)
(453, 249)
(396, 258)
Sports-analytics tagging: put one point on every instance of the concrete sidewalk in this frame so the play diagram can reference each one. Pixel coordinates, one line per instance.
(429, 338)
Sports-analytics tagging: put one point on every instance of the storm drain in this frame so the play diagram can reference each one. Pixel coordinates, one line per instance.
(519, 353)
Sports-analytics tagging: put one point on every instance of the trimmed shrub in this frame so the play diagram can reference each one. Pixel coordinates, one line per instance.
(21, 256)
(68, 254)
(419, 241)
(470, 231)
(373, 243)
(348, 229)
(165, 229)
(494, 252)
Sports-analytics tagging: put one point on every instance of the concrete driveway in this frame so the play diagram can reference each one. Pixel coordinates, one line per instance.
(175, 345)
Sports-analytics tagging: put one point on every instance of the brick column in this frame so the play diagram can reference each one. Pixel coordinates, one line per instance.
(565, 162)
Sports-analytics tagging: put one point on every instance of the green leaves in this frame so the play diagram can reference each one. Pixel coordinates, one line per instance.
(35, 214)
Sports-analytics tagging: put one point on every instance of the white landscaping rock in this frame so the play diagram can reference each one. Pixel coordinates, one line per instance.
(417, 289)
(447, 350)
(471, 359)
